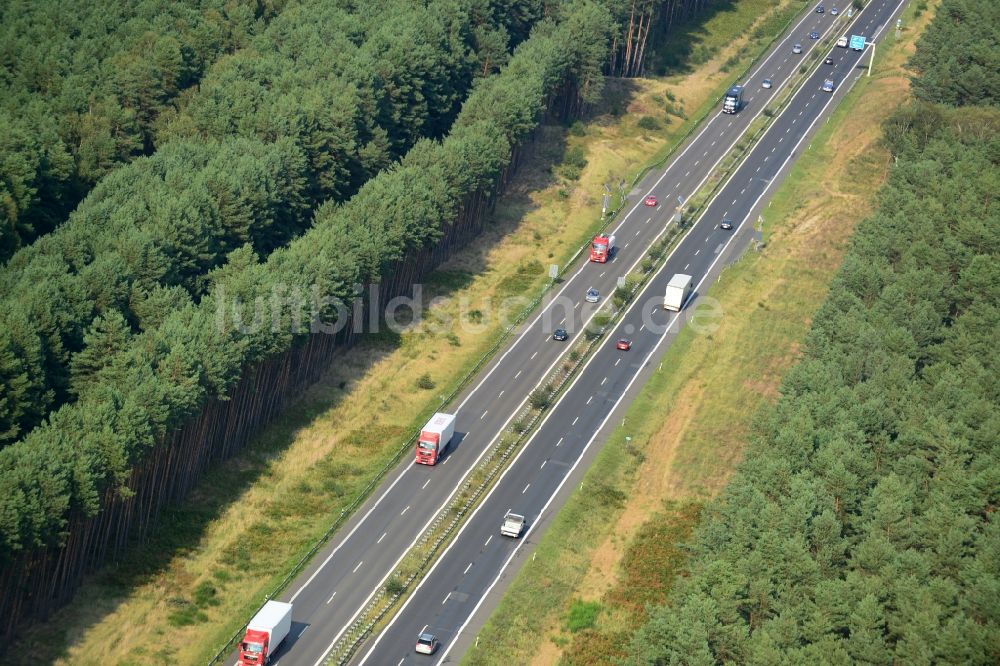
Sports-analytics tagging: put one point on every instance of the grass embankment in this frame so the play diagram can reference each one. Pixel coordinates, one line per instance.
(213, 559)
(610, 552)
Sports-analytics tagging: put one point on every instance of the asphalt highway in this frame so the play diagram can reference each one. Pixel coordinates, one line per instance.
(450, 595)
(334, 589)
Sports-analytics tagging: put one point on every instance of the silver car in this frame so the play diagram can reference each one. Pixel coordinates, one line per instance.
(828, 86)
(593, 295)
(797, 48)
(766, 83)
(426, 644)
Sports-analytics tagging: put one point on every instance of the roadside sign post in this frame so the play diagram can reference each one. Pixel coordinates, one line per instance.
(858, 43)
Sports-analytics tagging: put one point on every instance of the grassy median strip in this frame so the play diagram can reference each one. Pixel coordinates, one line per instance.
(487, 472)
(574, 602)
(757, 128)
(767, 22)
(377, 613)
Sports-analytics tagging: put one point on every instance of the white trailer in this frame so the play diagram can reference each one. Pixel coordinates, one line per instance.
(678, 290)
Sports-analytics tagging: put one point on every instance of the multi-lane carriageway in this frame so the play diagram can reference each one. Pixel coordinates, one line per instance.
(447, 599)
(343, 577)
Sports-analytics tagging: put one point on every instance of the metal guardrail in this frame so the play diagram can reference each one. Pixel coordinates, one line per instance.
(363, 627)
(492, 464)
(713, 107)
(409, 442)
(731, 161)
(361, 633)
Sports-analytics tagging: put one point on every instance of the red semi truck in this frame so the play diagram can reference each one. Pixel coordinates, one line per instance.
(602, 247)
(434, 438)
(264, 634)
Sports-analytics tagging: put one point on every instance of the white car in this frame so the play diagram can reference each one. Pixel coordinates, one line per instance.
(513, 525)
(842, 42)
(797, 49)
(426, 644)
(834, 11)
(766, 83)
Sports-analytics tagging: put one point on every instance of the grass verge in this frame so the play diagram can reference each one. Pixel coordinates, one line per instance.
(481, 478)
(609, 558)
(212, 560)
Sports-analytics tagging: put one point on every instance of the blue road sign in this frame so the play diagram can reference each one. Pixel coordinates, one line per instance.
(858, 42)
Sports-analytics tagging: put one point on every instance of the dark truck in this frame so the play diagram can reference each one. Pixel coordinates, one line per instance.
(733, 101)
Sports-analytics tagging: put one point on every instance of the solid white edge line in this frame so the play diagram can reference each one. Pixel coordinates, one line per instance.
(532, 437)
(472, 467)
(624, 392)
(509, 467)
(521, 336)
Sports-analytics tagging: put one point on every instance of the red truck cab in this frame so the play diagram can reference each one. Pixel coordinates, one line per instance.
(434, 438)
(265, 632)
(601, 248)
(254, 647)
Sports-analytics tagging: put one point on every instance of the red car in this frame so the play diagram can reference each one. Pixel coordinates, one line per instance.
(650, 200)
(624, 344)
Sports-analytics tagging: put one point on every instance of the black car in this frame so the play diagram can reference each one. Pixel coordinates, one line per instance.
(813, 35)
(560, 334)
(828, 60)
(819, 9)
(726, 224)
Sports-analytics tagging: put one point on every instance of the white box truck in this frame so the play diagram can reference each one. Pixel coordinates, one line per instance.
(434, 438)
(265, 632)
(678, 290)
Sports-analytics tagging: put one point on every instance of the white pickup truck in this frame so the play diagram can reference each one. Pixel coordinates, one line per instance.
(513, 525)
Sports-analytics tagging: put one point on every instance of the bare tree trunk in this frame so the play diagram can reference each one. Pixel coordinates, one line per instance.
(641, 59)
(633, 61)
(613, 56)
(626, 58)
